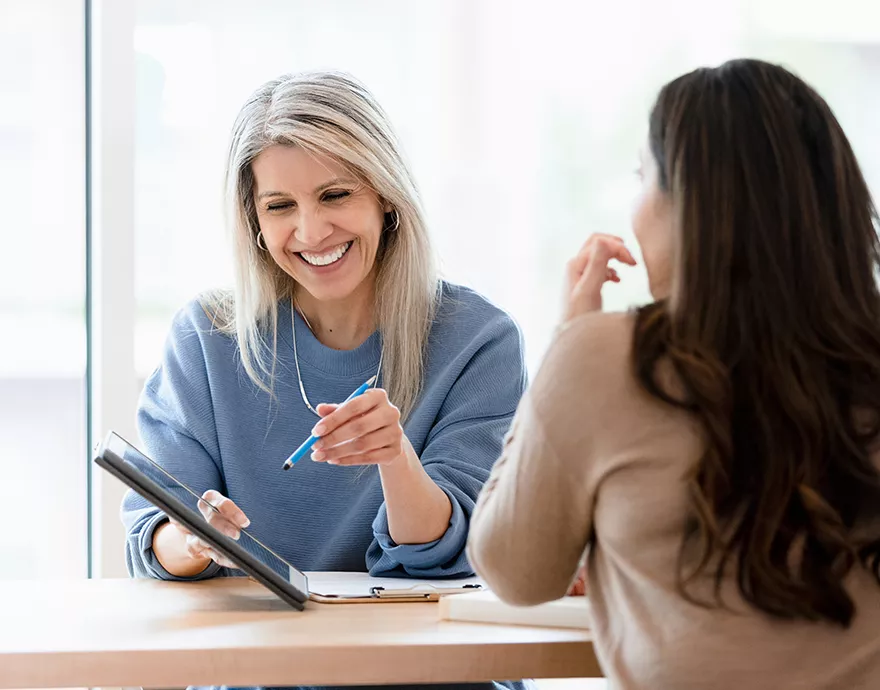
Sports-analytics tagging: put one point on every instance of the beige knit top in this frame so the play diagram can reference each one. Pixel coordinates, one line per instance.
(593, 462)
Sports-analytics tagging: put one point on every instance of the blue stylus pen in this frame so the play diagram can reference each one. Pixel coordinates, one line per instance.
(310, 441)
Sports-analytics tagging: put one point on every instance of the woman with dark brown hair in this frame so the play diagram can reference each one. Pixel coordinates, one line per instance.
(716, 452)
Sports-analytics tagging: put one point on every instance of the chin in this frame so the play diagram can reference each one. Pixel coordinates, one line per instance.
(329, 289)
(659, 292)
(327, 293)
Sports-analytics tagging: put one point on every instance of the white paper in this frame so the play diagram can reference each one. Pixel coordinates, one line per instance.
(485, 607)
(345, 584)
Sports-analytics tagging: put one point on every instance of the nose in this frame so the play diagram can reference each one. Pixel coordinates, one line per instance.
(311, 229)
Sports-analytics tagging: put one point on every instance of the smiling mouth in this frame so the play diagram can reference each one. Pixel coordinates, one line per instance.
(327, 258)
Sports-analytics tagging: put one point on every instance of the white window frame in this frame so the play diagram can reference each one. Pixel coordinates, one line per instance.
(110, 63)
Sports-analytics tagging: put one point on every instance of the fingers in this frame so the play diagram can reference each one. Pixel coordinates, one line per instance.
(227, 521)
(580, 260)
(325, 409)
(586, 293)
(363, 431)
(349, 410)
(597, 270)
(588, 271)
(197, 549)
(610, 244)
(578, 588)
(228, 518)
(357, 418)
(376, 447)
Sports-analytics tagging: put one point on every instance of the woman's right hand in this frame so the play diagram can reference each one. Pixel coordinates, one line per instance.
(184, 554)
(588, 271)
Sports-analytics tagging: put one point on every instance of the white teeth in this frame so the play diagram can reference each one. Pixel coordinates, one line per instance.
(326, 259)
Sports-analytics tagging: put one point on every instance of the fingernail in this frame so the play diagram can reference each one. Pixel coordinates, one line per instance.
(246, 523)
(318, 455)
(318, 430)
(318, 446)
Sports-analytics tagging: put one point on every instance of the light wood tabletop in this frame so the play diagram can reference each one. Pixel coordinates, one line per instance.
(226, 631)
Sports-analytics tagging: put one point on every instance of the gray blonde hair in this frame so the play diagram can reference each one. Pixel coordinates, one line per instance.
(333, 115)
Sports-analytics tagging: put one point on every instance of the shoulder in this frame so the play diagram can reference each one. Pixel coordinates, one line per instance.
(201, 318)
(198, 331)
(474, 344)
(210, 313)
(585, 395)
(596, 340)
(589, 358)
(475, 364)
(467, 316)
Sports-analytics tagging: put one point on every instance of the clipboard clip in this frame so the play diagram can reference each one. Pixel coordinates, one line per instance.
(419, 591)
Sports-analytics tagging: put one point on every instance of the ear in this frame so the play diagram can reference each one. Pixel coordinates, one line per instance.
(387, 207)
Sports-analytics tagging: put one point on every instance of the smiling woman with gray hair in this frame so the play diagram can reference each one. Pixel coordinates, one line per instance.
(334, 284)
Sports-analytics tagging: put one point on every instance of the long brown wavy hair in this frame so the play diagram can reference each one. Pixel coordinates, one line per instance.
(773, 328)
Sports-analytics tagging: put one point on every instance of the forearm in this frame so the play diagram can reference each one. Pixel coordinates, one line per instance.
(531, 523)
(169, 546)
(418, 510)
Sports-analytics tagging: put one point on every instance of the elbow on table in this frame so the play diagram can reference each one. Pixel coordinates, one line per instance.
(512, 580)
(525, 596)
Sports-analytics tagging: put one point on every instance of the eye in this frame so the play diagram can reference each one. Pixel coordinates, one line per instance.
(279, 206)
(335, 195)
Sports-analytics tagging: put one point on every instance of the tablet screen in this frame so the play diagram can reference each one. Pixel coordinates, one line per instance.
(190, 496)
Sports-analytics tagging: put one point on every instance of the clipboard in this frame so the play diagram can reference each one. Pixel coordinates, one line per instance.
(361, 588)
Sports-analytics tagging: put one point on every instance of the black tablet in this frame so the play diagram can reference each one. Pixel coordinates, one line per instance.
(155, 484)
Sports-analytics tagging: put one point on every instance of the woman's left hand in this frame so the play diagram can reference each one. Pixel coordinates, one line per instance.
(362, 431)
(578, 588)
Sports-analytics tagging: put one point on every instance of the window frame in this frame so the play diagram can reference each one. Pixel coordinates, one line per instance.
(112, 390)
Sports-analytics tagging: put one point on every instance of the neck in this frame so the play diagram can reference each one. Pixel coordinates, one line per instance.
(341, 324)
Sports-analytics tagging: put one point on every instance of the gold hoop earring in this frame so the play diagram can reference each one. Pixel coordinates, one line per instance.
(261, 241)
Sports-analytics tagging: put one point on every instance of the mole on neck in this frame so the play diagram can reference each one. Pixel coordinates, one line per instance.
(342, 324)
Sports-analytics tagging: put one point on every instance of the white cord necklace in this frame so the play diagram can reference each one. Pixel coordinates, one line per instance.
(302, 390)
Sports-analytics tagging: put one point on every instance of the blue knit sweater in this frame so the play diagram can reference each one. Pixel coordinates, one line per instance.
(202, 418)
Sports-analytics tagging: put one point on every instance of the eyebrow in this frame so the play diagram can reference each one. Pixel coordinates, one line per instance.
(320, 188)
(335, 181)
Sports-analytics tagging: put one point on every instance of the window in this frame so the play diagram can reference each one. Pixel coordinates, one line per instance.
(522, 123)
(42, 290)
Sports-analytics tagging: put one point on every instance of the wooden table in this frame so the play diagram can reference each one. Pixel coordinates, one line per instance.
(93, 633)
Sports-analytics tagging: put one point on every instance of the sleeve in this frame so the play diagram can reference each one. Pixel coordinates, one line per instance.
(176, 424)
(533, 521)
(458, 455)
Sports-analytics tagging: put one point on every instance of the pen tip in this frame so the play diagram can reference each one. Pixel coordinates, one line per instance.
(286, 466)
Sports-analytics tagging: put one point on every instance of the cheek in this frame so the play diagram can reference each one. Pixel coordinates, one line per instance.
(274, 228)
(642, 221)
(365, 222)
(652, 226)
(652, 222)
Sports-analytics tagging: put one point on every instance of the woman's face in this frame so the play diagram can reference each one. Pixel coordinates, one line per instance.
(321, 226)
(652, 222)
